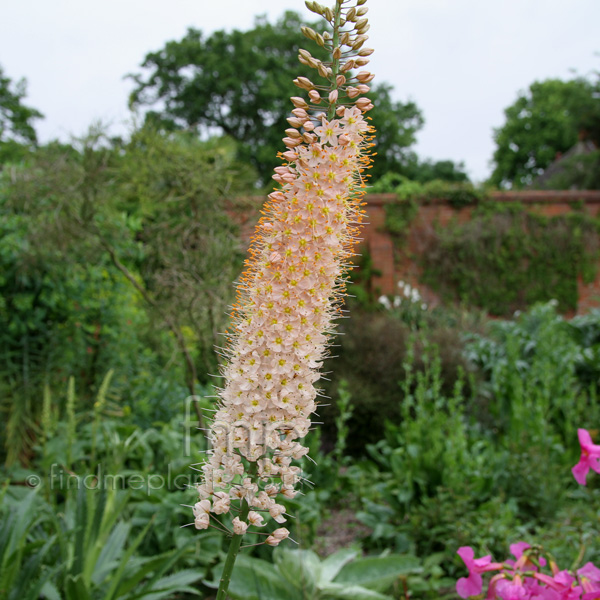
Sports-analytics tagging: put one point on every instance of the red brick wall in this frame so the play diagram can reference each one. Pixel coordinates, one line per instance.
(400, 266)
(379, 243)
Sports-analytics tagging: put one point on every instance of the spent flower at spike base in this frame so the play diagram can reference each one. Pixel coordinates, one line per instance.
(291, 291)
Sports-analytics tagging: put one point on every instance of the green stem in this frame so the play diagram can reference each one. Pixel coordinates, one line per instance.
(335, 65)
(234, 548)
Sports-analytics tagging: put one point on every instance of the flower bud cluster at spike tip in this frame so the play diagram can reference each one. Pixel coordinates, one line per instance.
(346, 49)
(288, 296)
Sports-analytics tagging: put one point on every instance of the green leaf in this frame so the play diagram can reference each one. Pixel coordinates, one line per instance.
(377, 573)
(332, 565)
(117, 577)
(50, 592)
(302, 568)
(350, 592)
(255, 579)
(75, 588)
(157, 565)
(111, 553)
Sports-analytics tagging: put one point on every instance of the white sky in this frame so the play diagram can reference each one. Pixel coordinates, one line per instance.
(461, 61)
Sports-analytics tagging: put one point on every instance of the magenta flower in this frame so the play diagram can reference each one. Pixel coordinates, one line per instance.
(589, 577)
(471, 585)
(562, 586)
(524, 563)
(512, 590)
(590, 453)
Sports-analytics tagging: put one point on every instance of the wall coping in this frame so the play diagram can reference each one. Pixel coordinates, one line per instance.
(525, 196)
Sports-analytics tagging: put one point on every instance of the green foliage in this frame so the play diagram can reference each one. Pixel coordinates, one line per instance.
(505, 259)
(17, 134)
(302, 575)
(241, 82)
(580, 172)
(114, 254)
(543, 121)
(87, 551)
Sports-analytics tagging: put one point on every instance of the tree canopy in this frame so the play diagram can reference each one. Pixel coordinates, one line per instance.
(16, 128)
(239, 83)
(544, 121)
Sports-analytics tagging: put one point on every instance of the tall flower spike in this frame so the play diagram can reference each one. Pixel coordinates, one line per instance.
(289, 294)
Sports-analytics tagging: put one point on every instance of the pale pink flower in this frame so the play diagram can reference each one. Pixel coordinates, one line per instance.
(281, 324)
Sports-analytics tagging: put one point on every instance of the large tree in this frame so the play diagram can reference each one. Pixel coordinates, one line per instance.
(16, 128)
(239, 83)
(543, 122)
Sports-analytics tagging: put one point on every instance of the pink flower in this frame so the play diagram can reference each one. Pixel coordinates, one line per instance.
(590, 453)
(589, 577)
(471, 585)
(524, 563)
(562, 586)
(512, 590)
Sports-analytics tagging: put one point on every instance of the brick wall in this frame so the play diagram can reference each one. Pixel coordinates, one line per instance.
(379, 244)
(394, 266)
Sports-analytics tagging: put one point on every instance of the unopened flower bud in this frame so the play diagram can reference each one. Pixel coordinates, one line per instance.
(299, 102)
(293, 133)
(365, 52)
(310, 5)
(291, 142)
(359, 41)
(352, 92)
(361, 23)
(314, 96)
(360, 2)
(347, 66)
(309, 125)
(337, 53)
(309, 138)
(340, 80)
(361, 103)
(363, 89)
(295, 121)
(322, 70)
(290, 155)
(305, 83)
(304, 53)
(362, 11)
(351, 14)
(345, 39)
(340, 111)
(333, 96)
(362, 30)
(328, 14)
(309, 33)
(365, 76)
(361, 62)
(320, 40)
(300, 112)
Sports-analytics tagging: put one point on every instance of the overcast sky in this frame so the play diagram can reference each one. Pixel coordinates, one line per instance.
(461, 61)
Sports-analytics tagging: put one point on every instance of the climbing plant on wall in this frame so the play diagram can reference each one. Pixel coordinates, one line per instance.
(506, 258)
